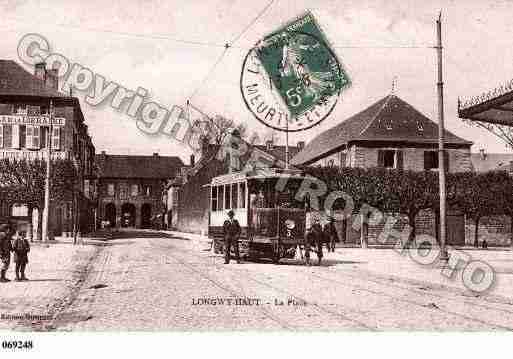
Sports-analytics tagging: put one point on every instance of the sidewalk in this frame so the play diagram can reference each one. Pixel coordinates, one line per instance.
(54, 271)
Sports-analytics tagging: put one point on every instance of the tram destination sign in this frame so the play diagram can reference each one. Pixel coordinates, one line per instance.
(31, 120)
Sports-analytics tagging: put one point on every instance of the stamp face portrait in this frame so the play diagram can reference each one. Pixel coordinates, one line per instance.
(291, 80)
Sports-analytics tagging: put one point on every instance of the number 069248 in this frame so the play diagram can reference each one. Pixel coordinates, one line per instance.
(17, 344)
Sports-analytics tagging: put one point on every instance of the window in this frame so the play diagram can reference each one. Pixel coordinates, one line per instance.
(213, 196)
(43, 135)
(390, 159)
(110, 189)
(20, 109)
(33, 110)
(19, 210)
(56, 138)
(7, 136)
(147, 190)
(242, 195)
(1, 136)
(123, 191)
(220, 196)
(227, 196)
(134, 189)
(430, 160)
(235, 195)
(23, 136)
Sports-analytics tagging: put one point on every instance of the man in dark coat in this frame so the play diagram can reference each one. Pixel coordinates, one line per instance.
(314, 238)
(330, 234)
(21, 247)
(5, 251)
(231, 232)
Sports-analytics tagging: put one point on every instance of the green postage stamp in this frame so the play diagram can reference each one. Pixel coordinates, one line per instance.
(299, 66)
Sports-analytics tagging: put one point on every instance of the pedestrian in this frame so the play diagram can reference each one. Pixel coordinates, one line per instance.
(484, 244)
(5, 251)
(231, 233)
(330, 234)
(314, 240)
(21, 247)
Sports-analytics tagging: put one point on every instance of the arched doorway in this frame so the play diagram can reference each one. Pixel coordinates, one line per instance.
(128, 215)
(146, 215)
(110, 214)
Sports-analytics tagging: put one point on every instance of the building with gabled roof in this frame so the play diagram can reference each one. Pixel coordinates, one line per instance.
(189, 198)
(389, 133)
(27, 130)
(130, 188)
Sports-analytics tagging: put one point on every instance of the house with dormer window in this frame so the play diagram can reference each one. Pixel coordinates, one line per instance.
(390, 133)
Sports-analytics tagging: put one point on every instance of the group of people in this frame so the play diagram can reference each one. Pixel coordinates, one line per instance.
(317, 236)
(10, 241)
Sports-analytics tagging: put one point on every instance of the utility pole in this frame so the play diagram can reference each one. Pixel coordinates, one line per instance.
(444, 255)
(46, 211)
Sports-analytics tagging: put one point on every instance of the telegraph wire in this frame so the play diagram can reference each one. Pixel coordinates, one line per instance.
(259, 15)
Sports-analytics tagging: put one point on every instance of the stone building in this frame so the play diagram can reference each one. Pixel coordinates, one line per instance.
(391, 134)
(130, 188)
(24, 133)
(190, 196)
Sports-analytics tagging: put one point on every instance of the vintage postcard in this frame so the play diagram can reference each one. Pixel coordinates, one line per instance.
(234, 166)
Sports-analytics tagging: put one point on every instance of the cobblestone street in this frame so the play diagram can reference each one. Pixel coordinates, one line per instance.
(158, 283)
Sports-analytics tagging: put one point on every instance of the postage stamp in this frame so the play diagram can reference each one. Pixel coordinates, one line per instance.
(291, 79)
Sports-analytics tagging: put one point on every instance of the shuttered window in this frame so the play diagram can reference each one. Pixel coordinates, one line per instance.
(16, 136)
(35, 137)
(56, 138)
(26, 140)
(399, 160)
(7, 136)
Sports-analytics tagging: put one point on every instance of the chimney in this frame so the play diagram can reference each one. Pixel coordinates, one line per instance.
(52, 79)
(482, 153)
(300, 145)
(269, 145)
(192, 160)
(40, 71)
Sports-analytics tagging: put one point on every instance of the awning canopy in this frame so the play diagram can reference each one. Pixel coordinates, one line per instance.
(495, 106)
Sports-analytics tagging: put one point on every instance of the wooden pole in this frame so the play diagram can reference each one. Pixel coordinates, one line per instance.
(46, 211)
(441, 151)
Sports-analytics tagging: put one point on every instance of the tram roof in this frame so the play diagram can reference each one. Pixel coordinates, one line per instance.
(257, 174)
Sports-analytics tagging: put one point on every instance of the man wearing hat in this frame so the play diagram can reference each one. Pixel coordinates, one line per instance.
(314, 239)
(5, 251)
(330, 233)
(231, 232)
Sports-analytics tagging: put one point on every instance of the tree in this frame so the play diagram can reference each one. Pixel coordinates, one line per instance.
(23, 181)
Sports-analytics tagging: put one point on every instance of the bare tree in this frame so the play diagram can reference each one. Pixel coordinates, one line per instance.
(503, 132)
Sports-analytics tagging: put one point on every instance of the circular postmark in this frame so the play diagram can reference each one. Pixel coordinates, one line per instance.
(291, 81)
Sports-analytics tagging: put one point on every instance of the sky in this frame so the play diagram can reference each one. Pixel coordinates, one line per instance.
(169, 47)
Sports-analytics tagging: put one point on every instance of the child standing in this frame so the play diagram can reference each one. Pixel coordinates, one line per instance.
(21, 247)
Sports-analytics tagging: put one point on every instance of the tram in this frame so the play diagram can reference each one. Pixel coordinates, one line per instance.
(272, 220)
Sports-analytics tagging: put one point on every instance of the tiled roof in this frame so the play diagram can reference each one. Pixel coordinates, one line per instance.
(15, 80)
(389, 120)
(278, 152)
(125, 166)
(491, 161)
